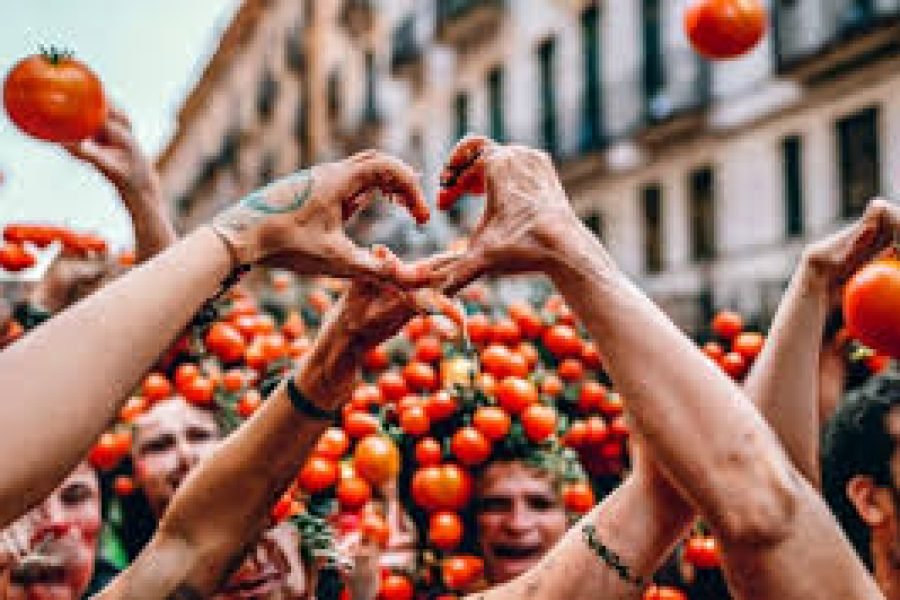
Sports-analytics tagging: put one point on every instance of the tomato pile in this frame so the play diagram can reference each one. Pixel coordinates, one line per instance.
(743, 346)
(16, 253)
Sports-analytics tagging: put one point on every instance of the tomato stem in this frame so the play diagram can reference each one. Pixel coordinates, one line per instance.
(56, 55)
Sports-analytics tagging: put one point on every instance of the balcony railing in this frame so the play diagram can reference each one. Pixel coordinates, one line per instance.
(406, 51)
(357, 15)
(464, 22)
(801, 33)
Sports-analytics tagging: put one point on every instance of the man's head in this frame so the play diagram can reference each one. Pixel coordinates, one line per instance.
(61, 540)
(273, 570)
(861, 467)
(519, 515)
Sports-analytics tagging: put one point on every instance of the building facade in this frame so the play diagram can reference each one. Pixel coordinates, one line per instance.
(704, 180)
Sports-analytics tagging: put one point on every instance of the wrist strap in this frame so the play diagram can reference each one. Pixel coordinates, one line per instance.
(303, 405)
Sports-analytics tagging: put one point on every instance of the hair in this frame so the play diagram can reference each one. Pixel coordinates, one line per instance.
(855, 442)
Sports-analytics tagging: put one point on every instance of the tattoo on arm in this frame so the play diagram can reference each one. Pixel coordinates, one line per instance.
(608, 556)
(259, 204)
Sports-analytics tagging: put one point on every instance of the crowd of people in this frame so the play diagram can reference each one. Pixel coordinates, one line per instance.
(239, 457)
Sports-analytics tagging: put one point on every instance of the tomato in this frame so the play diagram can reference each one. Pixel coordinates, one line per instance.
(526, 318)
(274, 346)
(597, 432)
(414, 420)
(353, 493)
(318, 474)
(123, 485)
(576, 435)
(242, 307)
(108, 451)
(446, 487)
(478, 328)
(134, 407)
(416, 328)
(496, 359)
(663, 592)
(156, 388)
(702, 551)
(871, 298)
(578, 497)
(492, 421)
(470, 446)
(428, 452)
(505, 331)
(359, 424)
(14, 258)
(234, 380)
(54, 97)
(734, 365)
(877, 363)
(487, 383)
(514, 394)
(282, 509)
(428, 349)
(591, 396)
(612, 450)
(376, 459)
(727, 324)
(612, 405)
(249, 403)
(528, 352)
(184, 374)
(748, 345)
(392, 385)
(410, 401)
(457, 370)
(460, 572)
(590, 356)
(420, 376)
(714, 350)
(293, 326)
(333, 443)
(396, 587)
(199, 391)
(377, 358)
(551, 385)
(445, 530)
(720, 29)
(365, 395)
(539, 422)
(375, 528)
(562, 341)
(440, 406)
(225, 341)
(570, 370)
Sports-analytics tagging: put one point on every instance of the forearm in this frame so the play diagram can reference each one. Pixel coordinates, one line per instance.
(86, 360)
(641, 522)
(784, 382)
(153, 231)
(680, 401)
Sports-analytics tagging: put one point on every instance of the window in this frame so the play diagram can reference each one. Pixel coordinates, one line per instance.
(651, 201)
(702, 214)
(859, 161)
(549, 127)
(266, 95)
(461, 112)
(371, 107)
(594, 222)
(592, 118)
(334, 95)
(497, 125)
(792, 159)
(654, 76)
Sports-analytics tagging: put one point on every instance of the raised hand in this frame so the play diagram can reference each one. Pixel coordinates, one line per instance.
(297, 221)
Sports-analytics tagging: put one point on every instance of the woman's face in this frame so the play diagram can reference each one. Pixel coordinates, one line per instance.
(169, 440)
(64, 528)
(272, 571)
(520, 517)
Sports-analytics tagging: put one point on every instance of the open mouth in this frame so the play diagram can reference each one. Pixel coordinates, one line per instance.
(39, 568)
(257, 584)
(517, 552)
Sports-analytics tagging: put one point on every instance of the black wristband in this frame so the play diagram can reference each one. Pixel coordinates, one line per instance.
(303, 405)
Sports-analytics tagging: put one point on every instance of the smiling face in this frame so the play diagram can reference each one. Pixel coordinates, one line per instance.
(169, 441)
(62, 532)
(272, 571)
(520, 517)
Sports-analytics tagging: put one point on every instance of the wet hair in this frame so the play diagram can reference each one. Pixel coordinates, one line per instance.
(855, 441)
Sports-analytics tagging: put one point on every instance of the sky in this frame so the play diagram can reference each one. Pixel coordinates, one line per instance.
(148, 53)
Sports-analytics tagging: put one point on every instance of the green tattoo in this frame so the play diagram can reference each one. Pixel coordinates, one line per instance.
(258, 201)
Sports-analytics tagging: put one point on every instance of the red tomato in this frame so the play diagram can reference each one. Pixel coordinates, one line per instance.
(134, 407)
(14, 258)
(447, 487)
(727, 324)
(416, 327)
(376, 459)
(591, 396)
(618, 428)
(377, 358)
(492, 421)
(576, 436)
(720, 29)
(226, 342)
(156, 388)
(359, 424)
(123, 485)
(318, 474)
(428, 349)
(445, 530)
(529, 322)
(562, 341)
(392, 386)
(877, 363)
(420, 376)
(293, 326)
(527, 351)
(539, 422)
(108, 451)
(597, 431)
(184, 374)
(657, 592)
(551, 385)
(440, 406)
(353, 493)
(375, 528)
(612, 405)
(428, 452)
(714, 350)
(748, 345)
(54, 97)
(590, 356)
(734, 365)
(414, 420)
(505, 331)
(365, 395)
(234, 380)
(570, 370)
(199, 391)
(396, 587)
(514, 394)
(497, 360)
(478, 328)
(871, 298)
(333, 443)
(470, 446)
(578, 497)
(702, 552)
(460, 572)
(249, 403)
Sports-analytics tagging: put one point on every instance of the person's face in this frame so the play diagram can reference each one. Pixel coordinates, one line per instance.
(519, 516)
(169, 441)
(271, 571)
(64, 528)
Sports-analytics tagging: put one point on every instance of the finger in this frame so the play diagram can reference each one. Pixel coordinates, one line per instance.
(90, 151)
(429, 272)
(118, 115)
(392, 176)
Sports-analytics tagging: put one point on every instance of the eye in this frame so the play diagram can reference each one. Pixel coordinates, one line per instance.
(542, 503)
(158, 444)
(200, 434)
(489, 505)
(76, 493)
